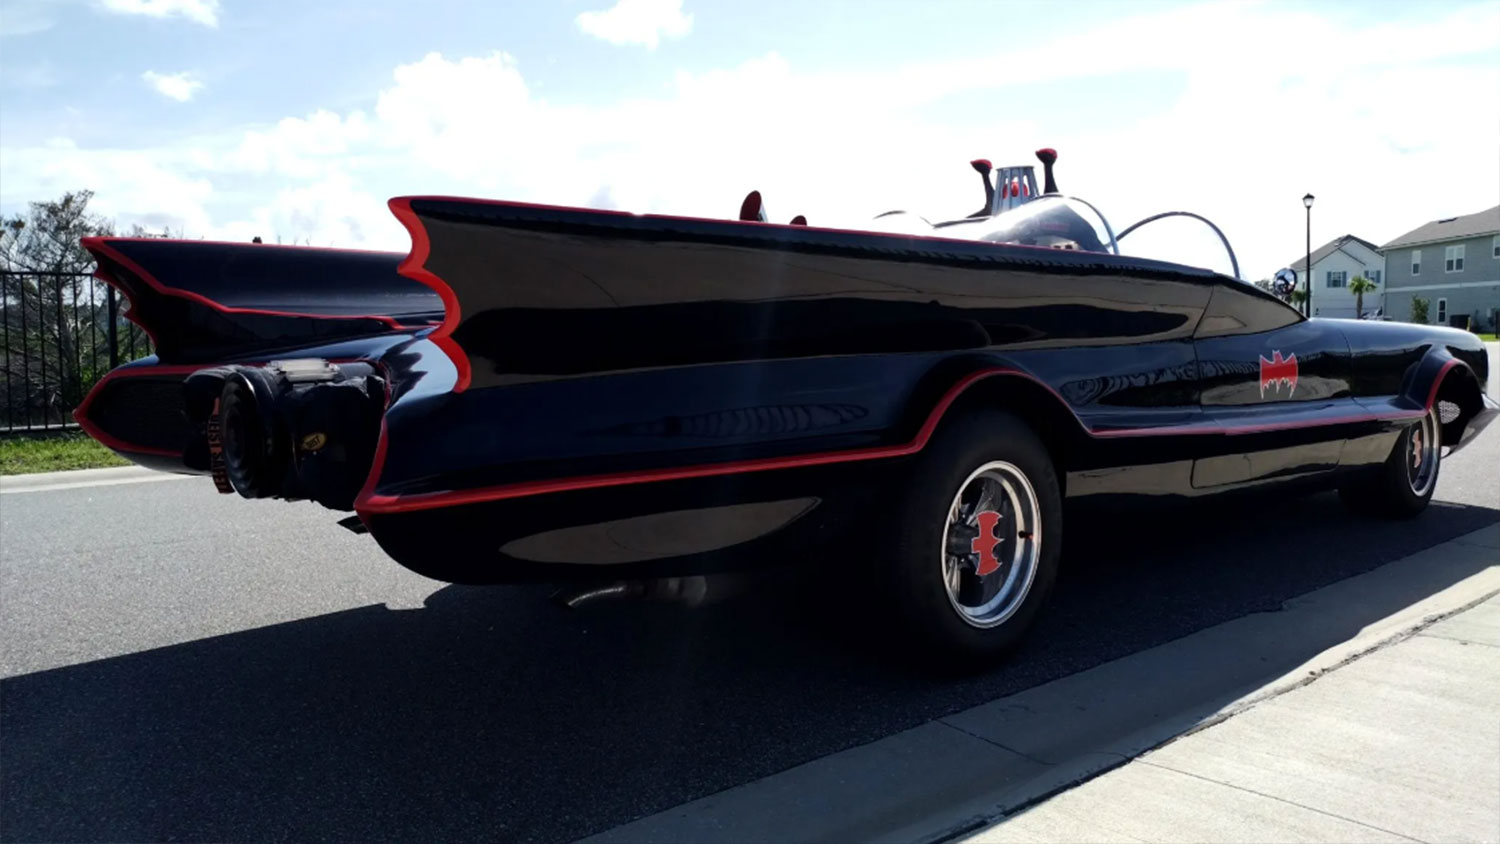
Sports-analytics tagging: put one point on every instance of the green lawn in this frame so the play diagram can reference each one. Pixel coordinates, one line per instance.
(1488, 338)
(22, 454)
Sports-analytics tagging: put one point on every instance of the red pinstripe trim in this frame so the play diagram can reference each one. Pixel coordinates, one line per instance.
(129, 312)
(1437, 382)
(363, 501)
(405, 202)
(290, 247)
(80, 413)
(101, 246)
(1259, 428)
(414, 267)
(370, 503)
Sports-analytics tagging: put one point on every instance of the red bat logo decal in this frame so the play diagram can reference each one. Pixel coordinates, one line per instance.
(984, 544)
(1276, 371)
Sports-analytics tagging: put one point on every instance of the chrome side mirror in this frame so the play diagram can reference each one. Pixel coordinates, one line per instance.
(1283, 283)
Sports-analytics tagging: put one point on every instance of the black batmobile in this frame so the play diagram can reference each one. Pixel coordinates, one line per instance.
(540, 392)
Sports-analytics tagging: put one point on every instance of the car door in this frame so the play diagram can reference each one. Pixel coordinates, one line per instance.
(1275, 385)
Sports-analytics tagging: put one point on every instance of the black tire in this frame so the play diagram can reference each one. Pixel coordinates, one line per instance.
(1397, 489)
(914, 559)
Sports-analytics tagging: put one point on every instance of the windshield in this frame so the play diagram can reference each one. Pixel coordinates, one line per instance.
(1055, 222)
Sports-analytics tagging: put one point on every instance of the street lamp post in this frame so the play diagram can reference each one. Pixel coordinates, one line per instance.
(1307, 202)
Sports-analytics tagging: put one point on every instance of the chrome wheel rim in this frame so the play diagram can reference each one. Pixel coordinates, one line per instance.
(987, 577)
(1423, 441)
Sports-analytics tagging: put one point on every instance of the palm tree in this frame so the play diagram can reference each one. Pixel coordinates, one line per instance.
(1359, 286)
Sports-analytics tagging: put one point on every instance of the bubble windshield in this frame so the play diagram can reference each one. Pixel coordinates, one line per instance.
(1049, 222)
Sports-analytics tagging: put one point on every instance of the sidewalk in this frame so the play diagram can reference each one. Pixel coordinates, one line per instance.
(1400, 744)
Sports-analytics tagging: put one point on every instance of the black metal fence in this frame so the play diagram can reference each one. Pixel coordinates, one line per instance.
(61, 332)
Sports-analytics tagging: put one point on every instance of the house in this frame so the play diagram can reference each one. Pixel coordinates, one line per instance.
(1334, 264)
(1453, 263)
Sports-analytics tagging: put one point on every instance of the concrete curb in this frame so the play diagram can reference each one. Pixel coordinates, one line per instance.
(1493, 387)
(961, 773)
(78, 478)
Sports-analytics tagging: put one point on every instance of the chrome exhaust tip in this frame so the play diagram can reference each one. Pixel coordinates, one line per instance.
(694, 591)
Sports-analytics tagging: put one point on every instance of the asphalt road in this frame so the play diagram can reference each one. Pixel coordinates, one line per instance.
(181, 665)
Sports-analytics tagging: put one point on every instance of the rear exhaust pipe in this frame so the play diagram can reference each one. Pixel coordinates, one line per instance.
(290, 429)
(695, 591)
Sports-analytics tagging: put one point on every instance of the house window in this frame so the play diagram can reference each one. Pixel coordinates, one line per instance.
(1442, 312)
(1453, 259)
(1416, 262)
(1495, 247)
(1373, 275)
(1337, 278)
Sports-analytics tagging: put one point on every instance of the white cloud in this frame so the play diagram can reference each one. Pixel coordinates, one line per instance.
(149, 186)
(330, 212)
(205, 12)
(174, 86)
(1243, 140)
(643, 22)
(298, 147)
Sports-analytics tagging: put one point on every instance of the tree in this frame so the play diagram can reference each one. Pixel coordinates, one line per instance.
(46, 239)
(1359, 286)
(1298, 296)
(1419, 309)
(55, 317)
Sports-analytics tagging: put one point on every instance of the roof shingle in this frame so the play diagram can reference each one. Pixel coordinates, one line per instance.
(1328, 249)
(1451, 228)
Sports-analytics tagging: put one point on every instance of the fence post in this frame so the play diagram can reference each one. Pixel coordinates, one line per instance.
(41, 349)
(114, 335)
(29, 341)
(25, 354)
(10, 416)
(62, 357)
(93, 334)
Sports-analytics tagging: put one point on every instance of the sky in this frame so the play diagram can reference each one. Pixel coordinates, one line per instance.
(296, 121)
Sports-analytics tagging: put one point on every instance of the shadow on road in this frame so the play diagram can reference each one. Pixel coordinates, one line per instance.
(491, 714)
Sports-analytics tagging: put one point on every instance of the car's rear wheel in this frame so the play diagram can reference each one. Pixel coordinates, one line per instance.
(973, 550)
(1402, 486)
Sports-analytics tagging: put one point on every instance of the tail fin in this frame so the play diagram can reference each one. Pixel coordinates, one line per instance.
(204, 302)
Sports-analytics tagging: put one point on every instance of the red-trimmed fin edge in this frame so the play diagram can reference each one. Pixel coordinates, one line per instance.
(291, 247)
(80, 413)
(129, 311)
(414, 267)
(1437, 381)
(406, 201)
(101, 246)
(370, 503)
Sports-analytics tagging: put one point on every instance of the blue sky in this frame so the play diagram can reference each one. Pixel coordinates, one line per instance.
(297, 120)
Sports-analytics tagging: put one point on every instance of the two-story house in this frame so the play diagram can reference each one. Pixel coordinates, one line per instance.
(1334, 264)
(1453, 263)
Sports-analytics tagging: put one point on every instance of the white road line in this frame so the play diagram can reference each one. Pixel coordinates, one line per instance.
(51, 481)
